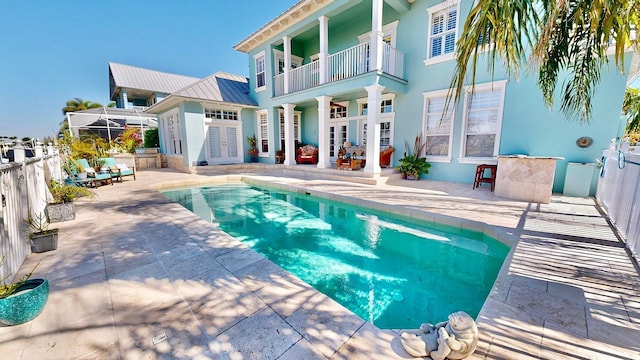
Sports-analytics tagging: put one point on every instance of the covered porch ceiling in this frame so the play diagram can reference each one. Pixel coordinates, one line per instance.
(299, 13)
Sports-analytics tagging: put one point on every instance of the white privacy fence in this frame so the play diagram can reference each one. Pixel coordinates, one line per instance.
(619, 195)
(23, 188)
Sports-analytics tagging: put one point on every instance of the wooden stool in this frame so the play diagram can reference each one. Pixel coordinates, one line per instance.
(480, 175)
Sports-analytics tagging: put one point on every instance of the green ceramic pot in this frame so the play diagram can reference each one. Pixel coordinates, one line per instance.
(26, 303)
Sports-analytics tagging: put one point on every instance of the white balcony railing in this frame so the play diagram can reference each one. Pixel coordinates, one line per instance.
(342, 65)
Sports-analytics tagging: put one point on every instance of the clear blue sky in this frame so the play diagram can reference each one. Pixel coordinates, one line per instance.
(54, 51)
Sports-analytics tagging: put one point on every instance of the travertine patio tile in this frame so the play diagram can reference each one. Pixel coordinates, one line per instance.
(238, 259)
(370, 342)
(565, 291)
(286, 294)
(12, 338)
(179, 254)
(558, 344)
(141, 273)
(548, 308)
(261, 273)
(71, 342)
(262, 336)
(614, 331)
(126, 258)
(219, 305)
(74, 265)
(325, 323)
(76, 307)
(302, 350)
(218, 243)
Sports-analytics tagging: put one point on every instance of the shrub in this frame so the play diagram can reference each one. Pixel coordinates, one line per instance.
(151, 138)
(63, 193)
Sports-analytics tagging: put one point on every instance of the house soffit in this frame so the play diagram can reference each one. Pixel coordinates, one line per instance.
(296, 14)
(290, 17)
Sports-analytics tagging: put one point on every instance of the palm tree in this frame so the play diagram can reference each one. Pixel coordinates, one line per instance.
(631, 107)
(552, 36)
(78, 104)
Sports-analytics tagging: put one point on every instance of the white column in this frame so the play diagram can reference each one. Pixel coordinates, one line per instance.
(324, 103)
(324, 48)
(289, 138)
(287, 62)
(375, 49)
(374, 97)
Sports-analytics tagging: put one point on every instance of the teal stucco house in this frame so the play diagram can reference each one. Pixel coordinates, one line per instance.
(375, 73)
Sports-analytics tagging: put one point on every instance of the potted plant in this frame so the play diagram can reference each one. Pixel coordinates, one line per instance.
(23, 300)
(253, 149)
(42, 238)
(61, 207)
(412, 165)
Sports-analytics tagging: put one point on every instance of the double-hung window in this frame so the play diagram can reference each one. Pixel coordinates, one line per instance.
(261, 74)
(443, 29)
(263, 131)
(483, 120)
(438, 126)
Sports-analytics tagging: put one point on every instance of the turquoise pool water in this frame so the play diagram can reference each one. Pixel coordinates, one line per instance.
(395, 273)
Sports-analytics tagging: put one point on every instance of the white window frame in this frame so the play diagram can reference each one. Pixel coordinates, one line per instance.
(389, 31)
(224, 113)
(496, 85)
(257, 58)
(445, 6)
(259, 137)
(385, 97)
(174, 145)
(338, 105)
(296, 61)
(385, 118)
(427, 97)
(297, 116)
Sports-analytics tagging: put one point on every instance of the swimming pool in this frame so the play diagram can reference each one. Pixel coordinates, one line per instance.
(392, 272)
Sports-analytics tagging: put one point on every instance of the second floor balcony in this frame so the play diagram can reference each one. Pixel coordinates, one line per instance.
(342, 65)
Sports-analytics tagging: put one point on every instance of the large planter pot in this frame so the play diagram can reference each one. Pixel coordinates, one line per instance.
(44, 241)
(412, 177)
(60, 212)
(26, 303)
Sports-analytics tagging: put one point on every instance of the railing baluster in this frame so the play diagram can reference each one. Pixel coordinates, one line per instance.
(344, 64)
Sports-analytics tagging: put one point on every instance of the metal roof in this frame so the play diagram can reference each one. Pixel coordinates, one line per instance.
(132, 77)
(129, 116)
(222, 87)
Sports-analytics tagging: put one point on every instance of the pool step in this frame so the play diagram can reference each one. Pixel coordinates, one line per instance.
(298, 171)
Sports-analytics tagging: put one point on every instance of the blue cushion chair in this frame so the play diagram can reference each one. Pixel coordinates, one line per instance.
(95, 177)
(118, 169)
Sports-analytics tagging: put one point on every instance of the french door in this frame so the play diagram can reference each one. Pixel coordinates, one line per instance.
(224, 143)
(338, 134)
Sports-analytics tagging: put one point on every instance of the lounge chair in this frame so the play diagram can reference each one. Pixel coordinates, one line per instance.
(95, 177)
(118, 169)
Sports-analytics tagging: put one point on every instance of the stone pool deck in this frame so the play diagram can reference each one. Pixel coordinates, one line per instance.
(138, 277)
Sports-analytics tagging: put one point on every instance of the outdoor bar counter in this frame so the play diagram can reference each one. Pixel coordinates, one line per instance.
(526, 178)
